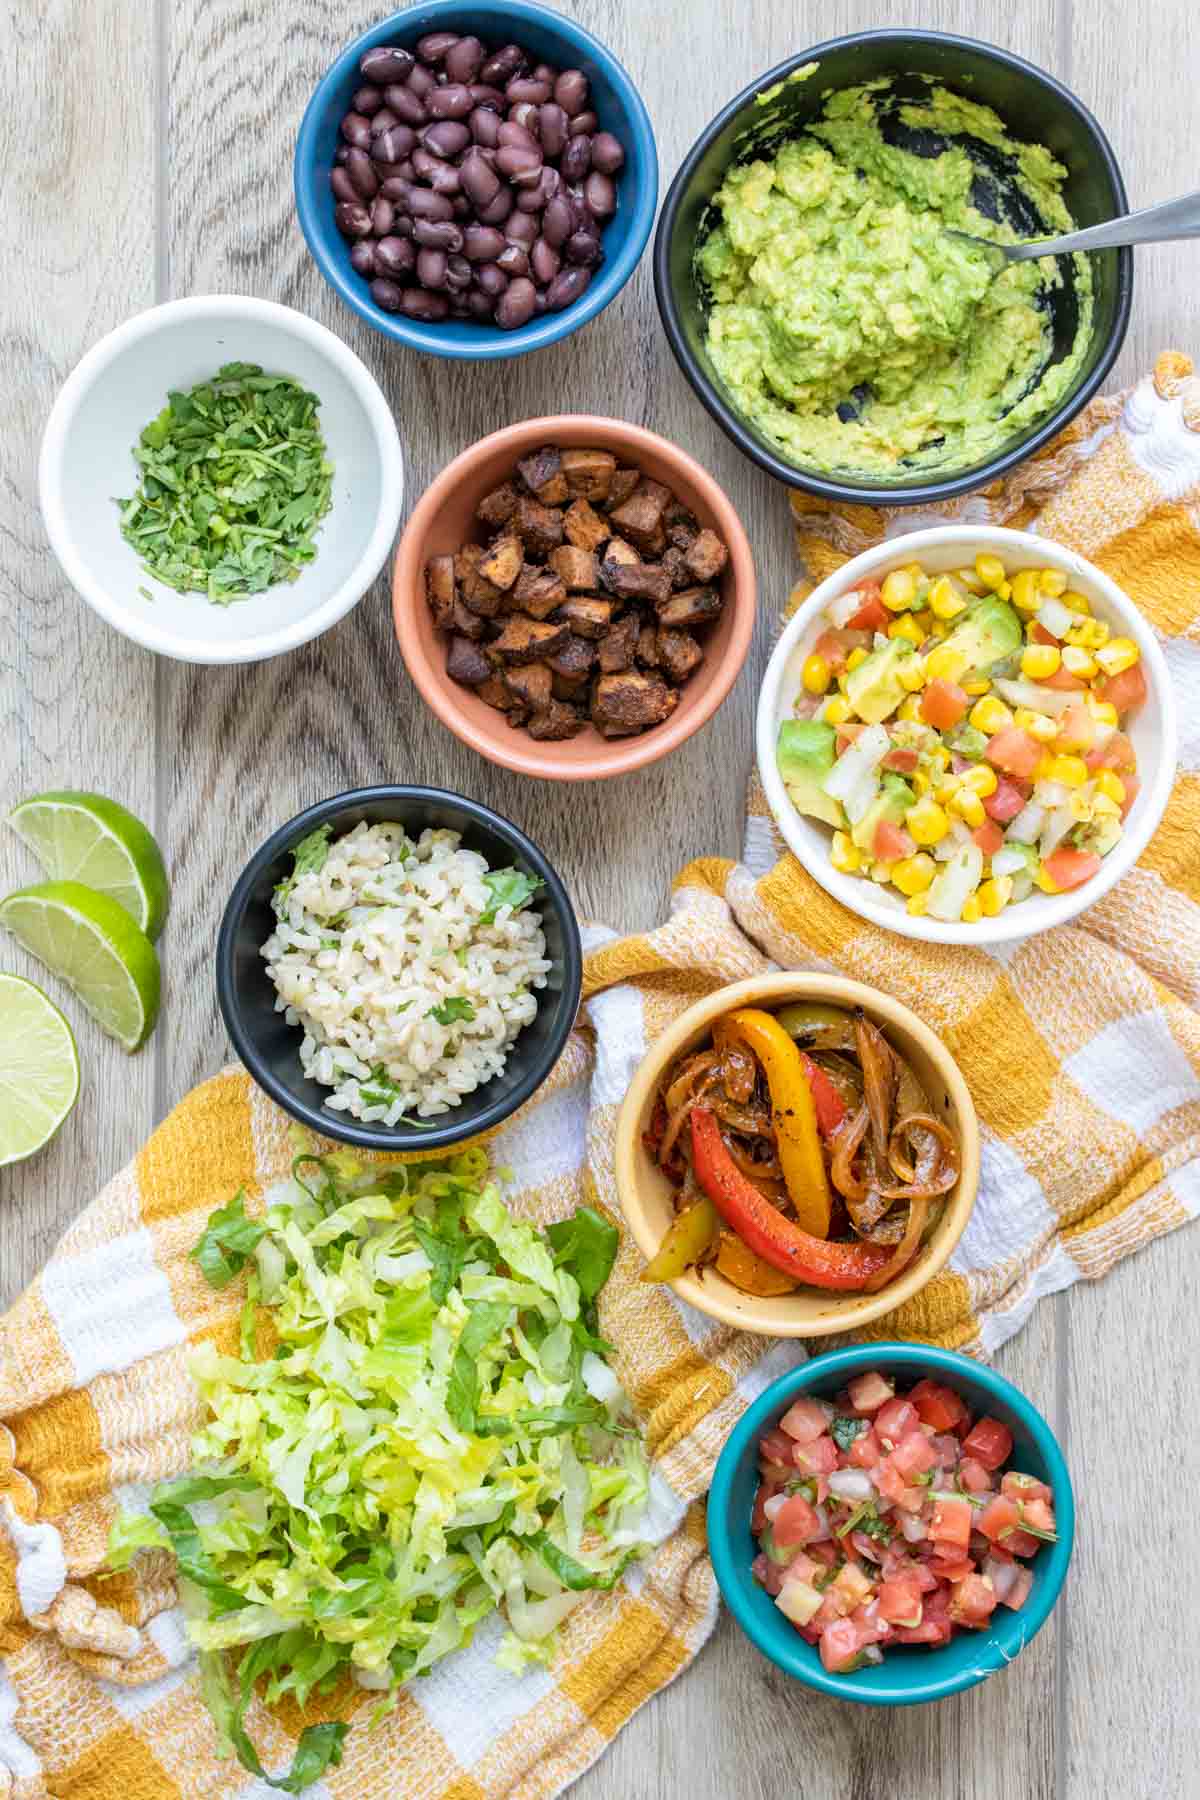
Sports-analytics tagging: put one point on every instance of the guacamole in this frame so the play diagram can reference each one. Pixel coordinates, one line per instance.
(849, 327)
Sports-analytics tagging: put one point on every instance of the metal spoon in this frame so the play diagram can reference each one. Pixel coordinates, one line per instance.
(1153, 225)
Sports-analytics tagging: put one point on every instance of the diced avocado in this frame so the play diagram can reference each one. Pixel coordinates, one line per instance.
(873, 689)
(987, 633)
(804, 756)
(967, 741)
(888, 808)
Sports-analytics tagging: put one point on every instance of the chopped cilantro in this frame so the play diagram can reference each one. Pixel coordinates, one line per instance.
(507, 887)
(450, 1011)
(308, 858)
(845, 1429)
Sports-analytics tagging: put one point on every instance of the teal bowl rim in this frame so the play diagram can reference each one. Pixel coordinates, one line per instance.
(998, 1647)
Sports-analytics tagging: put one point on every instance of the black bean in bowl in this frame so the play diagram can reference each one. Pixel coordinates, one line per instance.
(472, 182)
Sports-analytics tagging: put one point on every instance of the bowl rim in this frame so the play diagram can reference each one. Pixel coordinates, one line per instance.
(844, 492)
(387, 1138)
(1145, 815)
(921, 1358)
(624, 754)
(550, 328)
(289, 323)
(847, 1312)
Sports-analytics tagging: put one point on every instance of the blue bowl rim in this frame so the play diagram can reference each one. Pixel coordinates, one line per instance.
(392, 1137)
(845, 492)
(436, 340)
(923, 1359)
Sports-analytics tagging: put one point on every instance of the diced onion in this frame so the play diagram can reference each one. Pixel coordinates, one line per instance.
(842, 609)
(1008, 861)
(1055, 618)
(1057, 825)
(1002, 1575)
(957, 881)
(1051, 793)
(861, 758)
(1028, 822)
(913, 1528)
(872, 1653)
(823, 1522)
(773, 1506)
(1036, 696)
(850, 1484)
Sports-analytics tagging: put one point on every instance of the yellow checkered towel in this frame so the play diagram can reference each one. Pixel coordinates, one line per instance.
(1082, 1050)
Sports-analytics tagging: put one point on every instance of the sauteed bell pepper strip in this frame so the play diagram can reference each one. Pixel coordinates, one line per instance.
(686, 1241)
(812, 1260)
(793, 1114)
(830, 1107)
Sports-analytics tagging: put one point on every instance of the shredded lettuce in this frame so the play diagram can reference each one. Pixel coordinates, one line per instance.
(420, 1428)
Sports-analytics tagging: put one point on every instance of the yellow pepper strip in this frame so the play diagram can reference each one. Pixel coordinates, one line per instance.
(686, 1241)
(795, 1117)
(738, 1263)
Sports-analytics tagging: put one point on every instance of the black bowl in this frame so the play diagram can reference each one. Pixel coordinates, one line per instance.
(270, 1047)
(1032, 104)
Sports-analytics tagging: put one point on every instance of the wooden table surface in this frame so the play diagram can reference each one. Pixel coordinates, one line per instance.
(148, 153)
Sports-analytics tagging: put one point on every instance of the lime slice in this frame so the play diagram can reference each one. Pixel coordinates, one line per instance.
(39, 1069)
(84, 837)
(93, 945)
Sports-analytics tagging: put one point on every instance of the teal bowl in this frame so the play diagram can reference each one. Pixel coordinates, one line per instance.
(910, 1673)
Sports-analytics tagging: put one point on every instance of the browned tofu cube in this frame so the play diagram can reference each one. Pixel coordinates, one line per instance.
(502, 563)
(440, 589)
(640, 518)
(542, 474)
(530, 684)
(636, 580)
(466, 662)
(694, 606)
(589, 473)
(707, 556)
(575, 659)
(558, 721)
(539, 527)
(497, 508)
(585, 527)
(647, 647)
(624, 704)
(623, 484)
(538, 591)
(588, 615)
(616, 648)
(528, 640)
(575, 568)
(678, 654)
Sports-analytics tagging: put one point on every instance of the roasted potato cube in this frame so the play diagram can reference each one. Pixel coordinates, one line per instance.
(678, 654)
(584, 526)
(636, 580)
(495, 691)
(538, 591)
(575, 659)
(640, 518)
(623, 484)
(530, 683)
(572, 688)
(528, 640)
(539, 527)
(589, 473)
(623, 704)
(588, 615)
(616, 648)
(465, 662)
(542, 474)
(575, 568)
(466, 623)
(694, 606)
(647, 647)
(440, 589)
(497, 508)
(707, 556)
(480, 594)
(558, 721)
(502, 563)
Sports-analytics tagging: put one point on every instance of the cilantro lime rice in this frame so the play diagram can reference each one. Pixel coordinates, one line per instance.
(410, 967)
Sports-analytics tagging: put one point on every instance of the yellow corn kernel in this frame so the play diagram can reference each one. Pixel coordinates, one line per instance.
(881, 872)
(837, 710)
(1076, 602)
(1072, 771)
(939, 629)
(911, 675)
(990, 570)
(1103, 806)
(909, 709)
(1044, 768)
(1103, 711)
(844, 853)
(1039, 725)
(1046, 882)
(906, 627)
(1109, 783)
(969, 808)
(918, 904)
(1040, 661)
(1052, 582)
(972, 910)
(994, 895)
(1079, 662)
(1005, 590)
(918, 781)
(816, 675)
(1082, 809)
(946, 789)
(981, 780)
(939, 756)
(898, 589)
(914, 874)
(970, 580)
(1025, 595)
(945, 601)
(1119, 654)
(975, 687)
(1089, 634)
(989, 715)
(856, 659)
(927, 822)
(945, 663)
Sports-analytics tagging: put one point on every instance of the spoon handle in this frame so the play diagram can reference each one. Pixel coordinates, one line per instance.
(1178, 218)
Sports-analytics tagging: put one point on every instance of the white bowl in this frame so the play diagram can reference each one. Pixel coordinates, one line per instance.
(87, 461)
(1151, 730)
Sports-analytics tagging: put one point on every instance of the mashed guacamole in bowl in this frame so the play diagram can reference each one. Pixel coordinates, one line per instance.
(849, 327)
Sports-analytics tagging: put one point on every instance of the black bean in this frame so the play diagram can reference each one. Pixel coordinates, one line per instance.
(449, 137)
(608, 153)
(490, 98)
(583, 248)
(421, 82)
(343, 187)
(461, 206)
(518, 136)
(407, 105)
(513, 260)
(450, 102)
(491, 279)
(340, 154)
(545, 72)
(539, 304)
(499, 69)
(367, 101)
(463, 60)
(498, 209)
(552, 128)
(362, 258)
(485, 127)
(434, 45)
(566, 288)
(352, 219)
(442, 177)
(600, 194)
(394, 256)
(358, 168)
(437, 234)
(482, 243)
(402, 225)
(544, 262)
(576, 159)
(527, 87)
(385, 63)
(405, 171)
(431, 268)
(423, 204)
(396, 188)
(458, 306)
(522, 166)
(571, 91)
(533, 199)
(582, 125)
(525, 114)
(418, 303)
(382, 121)
(516, 304)
(479, 306)
(357, 130)
(558, 221)
(383, 216)
(480, 182)
(521, 228)
(459, 274)
(386, 294)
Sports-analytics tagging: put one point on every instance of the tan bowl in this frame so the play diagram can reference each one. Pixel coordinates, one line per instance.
(444, 520)
(645, 1193)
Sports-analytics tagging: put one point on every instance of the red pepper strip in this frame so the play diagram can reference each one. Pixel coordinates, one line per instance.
(830, 1107)
(813, 1260)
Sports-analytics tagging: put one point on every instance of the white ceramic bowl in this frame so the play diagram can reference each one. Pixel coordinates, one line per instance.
(87, 460)
(1151, 729)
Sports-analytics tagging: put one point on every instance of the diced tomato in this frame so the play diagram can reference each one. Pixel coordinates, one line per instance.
(818, 1458)
(1038, 1515)
(832, 648)
(795, 1524)
(1039, 634)
(893, 1487)
(989, 838)
(1022, 1543)
(867, 1548)
(865, 1451)
(802, 1567)
(902, 761)
(872, 615)
(1125, 691)
(891, 842)
(1069, 868)
(900, 1602)
(1078, 728)
(828, 1103)
(1004, 804)
(975, 1476)
(914, 1454)
(935, 1627)
(1018, 1593)
(805, 1420)
(1016, 1486)
(834, 1606)
(1132, 789)
(840, 1648)
(952, 1568)
(758, 1518)
(973, 1602)
(938, 1406)
(1063, 682)
(853, 1584)
(775, 1453)
(1014, 751)
(768, 1574)
(894, 1420)
(825, 1552)
(998, 1518)
(868, 1392)
(1116, 752)
(951, 1523)
(943, 704)
(948, 1448)
(871, 1626)
(989, 1442)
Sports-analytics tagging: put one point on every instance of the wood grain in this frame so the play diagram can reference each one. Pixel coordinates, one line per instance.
(209, 93)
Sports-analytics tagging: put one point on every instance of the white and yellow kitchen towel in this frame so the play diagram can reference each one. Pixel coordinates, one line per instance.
(1082, 1051)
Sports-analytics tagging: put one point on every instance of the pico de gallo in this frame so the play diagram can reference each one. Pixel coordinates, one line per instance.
(964, 736)
(887, 1518)
(803, 1150)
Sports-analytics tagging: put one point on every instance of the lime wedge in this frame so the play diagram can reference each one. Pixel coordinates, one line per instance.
(93, 945)
(39, 1069)
(84, 837)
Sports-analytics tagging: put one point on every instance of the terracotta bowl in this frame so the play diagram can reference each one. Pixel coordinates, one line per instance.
(645, 1193)
(444, 520)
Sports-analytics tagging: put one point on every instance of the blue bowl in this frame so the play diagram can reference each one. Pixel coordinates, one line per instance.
(912, 1673)
(614, 99)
